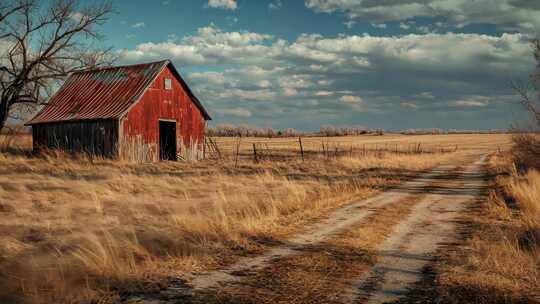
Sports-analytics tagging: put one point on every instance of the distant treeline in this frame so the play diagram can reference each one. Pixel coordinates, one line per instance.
(230, 130)
(435, 131)
(244, 130)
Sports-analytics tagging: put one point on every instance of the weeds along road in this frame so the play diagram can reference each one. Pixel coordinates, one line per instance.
(370, 251)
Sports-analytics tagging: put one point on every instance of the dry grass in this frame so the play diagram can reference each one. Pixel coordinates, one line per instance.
(75, 229)
(321, 273)
(465, 143)
(499, 261)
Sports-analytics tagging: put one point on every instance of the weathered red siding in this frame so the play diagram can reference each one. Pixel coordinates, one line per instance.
(142, 120)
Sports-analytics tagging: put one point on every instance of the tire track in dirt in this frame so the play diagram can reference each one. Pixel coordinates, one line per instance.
(336, 221)
(405, 254)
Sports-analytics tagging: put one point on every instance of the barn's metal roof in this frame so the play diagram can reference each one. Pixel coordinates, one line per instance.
(105, 93)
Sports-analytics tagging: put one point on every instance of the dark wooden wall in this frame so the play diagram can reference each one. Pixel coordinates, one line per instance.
(142, 121)
(96, 137)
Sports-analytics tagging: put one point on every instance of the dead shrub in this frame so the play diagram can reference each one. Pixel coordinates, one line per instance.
(526, 151)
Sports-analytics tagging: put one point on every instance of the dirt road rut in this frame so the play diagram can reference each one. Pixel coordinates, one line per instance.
(401, 256)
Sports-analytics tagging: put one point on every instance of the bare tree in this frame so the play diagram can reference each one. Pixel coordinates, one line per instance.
(530, 92)
(40, 44)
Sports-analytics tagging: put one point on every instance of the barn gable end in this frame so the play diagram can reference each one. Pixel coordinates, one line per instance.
(140, 125)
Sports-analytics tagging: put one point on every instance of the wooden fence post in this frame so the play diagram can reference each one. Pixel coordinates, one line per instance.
(204, 148)
(301, 147)
(255, 159)
(237, 151)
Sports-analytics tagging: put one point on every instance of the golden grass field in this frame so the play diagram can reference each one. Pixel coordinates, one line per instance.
(79, 230)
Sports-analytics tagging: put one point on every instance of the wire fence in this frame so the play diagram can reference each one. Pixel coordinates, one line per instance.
(304, 148)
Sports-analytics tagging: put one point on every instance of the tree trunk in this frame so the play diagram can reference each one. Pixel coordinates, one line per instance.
(4, 112)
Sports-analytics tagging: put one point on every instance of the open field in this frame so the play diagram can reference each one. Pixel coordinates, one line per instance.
(314, 146)
(75, 229)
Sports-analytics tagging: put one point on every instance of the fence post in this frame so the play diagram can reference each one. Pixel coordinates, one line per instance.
(204, 148)
(237, 151)
(301, 147)
(255, 159)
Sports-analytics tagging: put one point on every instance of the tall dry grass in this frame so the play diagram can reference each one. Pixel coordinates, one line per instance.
(499, 261)
(78, 229)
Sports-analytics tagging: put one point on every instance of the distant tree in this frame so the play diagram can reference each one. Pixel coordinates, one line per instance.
(41, 42)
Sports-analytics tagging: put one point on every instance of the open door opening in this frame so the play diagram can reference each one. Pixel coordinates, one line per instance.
(167, 140)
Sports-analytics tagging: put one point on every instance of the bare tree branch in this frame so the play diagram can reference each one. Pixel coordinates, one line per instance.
(529, 93)
(44, 45)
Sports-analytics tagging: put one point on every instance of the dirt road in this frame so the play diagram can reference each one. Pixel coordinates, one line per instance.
(398, 259)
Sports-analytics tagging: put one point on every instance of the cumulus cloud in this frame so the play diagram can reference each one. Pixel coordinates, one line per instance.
(237, 112)
(223, 4)
(138, 25)
(323, 93)
(404, 26)
(409, 105)
(474, 101)
(326, 75)
(254, 95)
(211, 45)
(275, 5)
(350, 99)
(349, 24)
(513, 14)
(379, 25)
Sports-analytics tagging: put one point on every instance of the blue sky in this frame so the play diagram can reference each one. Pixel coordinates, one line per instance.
(304, 63)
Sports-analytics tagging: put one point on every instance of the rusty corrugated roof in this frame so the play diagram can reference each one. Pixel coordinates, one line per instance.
(104, 93)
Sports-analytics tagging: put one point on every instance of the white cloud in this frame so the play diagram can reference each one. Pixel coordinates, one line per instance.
(258, 95)
(350, 99)
(427, 95)
(343, 54)
(423, 29)
(77, 16)
(404, 26)
(409, 105)
(289, 92)
(515, 14)
(223, 4)
(239, 67)
(349, 24)
(211, 77)
(295, 82)
(379, 25)
(210, 45)
(237, 112)
(324, 93)
(138, 25)
(264, 83)
(275, 5)
(473, 101)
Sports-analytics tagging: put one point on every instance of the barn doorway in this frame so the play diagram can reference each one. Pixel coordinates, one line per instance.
(167, 140)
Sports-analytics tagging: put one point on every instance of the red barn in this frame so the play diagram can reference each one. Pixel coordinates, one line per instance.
(144, 112)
